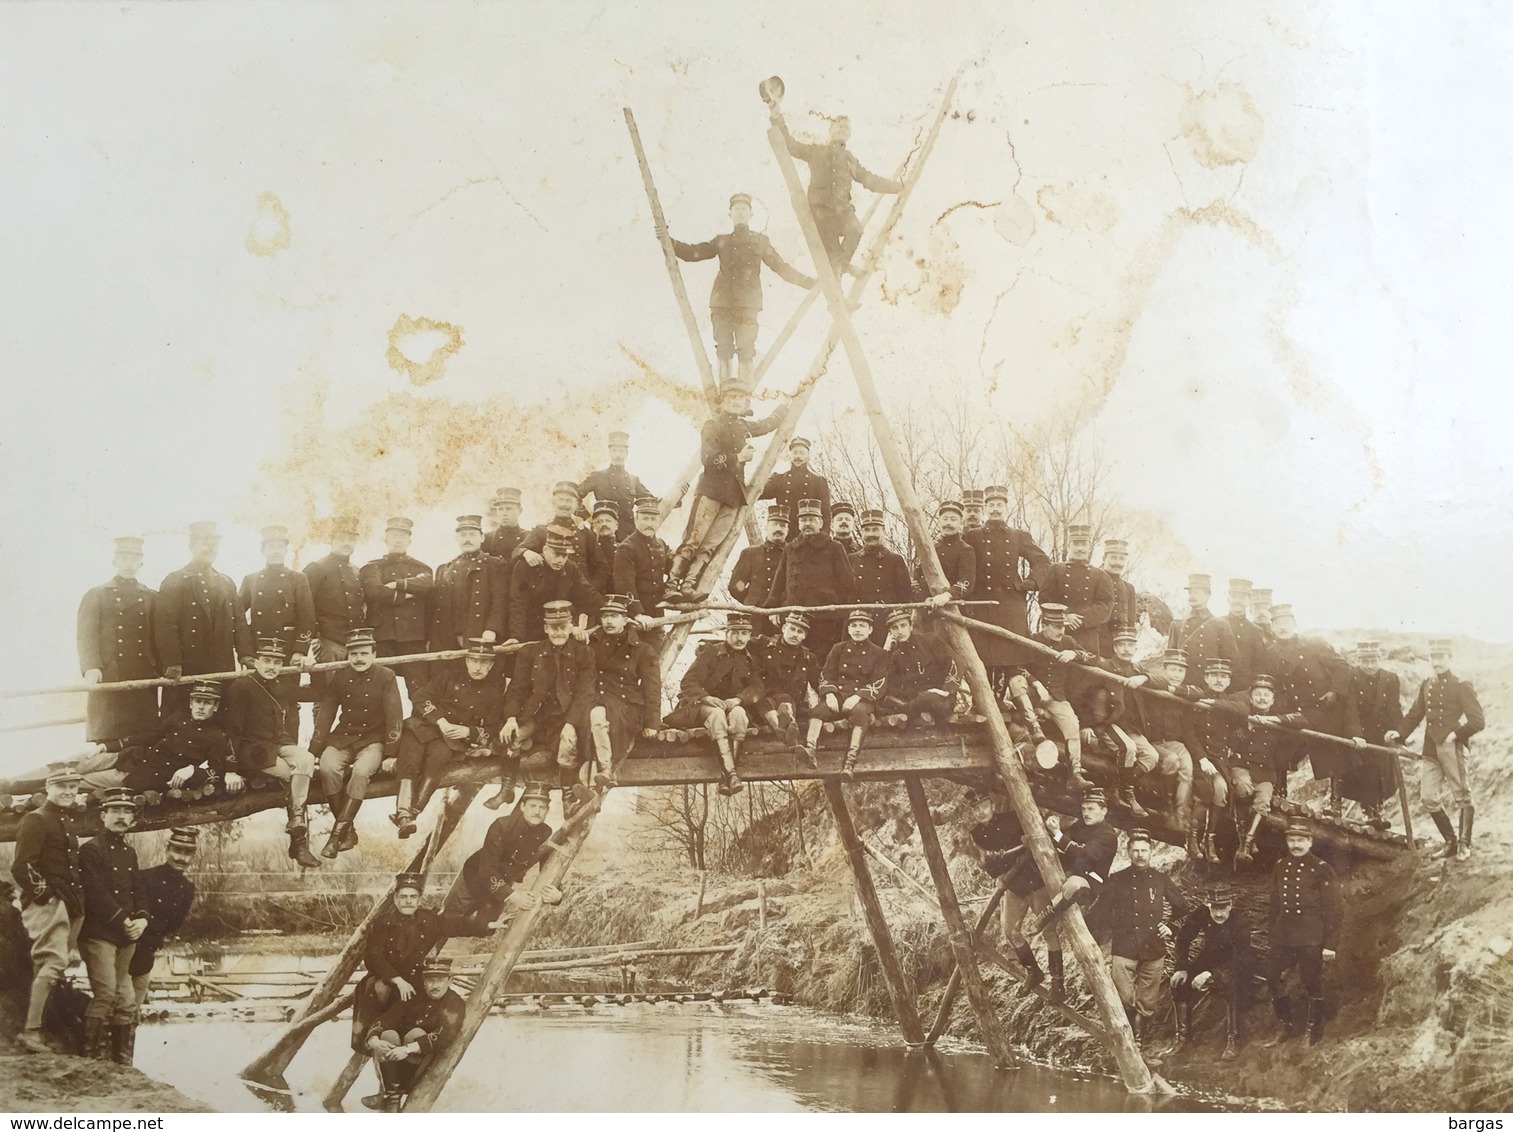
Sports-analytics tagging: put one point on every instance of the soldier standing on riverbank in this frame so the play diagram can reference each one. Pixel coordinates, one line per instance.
(115, 917)
(1306, 914)
(167, 896)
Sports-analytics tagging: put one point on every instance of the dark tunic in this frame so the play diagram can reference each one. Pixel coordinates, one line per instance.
(1307, 671)
(721, 672)
(617, 486)
(630, 681)
(115, 635)
(1216, 729)
(1009, 565)
(502, 541)
(402, 614)
(531, 587)
(751, 580)
(787, 488)
(787, 671)
(1084, 590)
(1379, 703)
(741, 253)
(855, 668)
(167, 895)
(959, 561)
(552, 684)
(150, 759)
(260, 716)
(279, 603)
(369, 708)
(814, 570)
(451, 694)
(641, 572)
(917, 665)
(586, 550)
(425, 1021)
(1250, 652)
(1134, 904)
(508, 851)
(1204, 637)
(1449, 709)
(1055, 675)
(882, 576)
(199, 625)
(1087, 850)
(1125, 614)
(1306, 909)
(112, 886)
(339, 603)
(470, 597)
(1203, 945)
(1262, 750)
(832, 168)
(720, 443)
(46, 863)
(397, 945)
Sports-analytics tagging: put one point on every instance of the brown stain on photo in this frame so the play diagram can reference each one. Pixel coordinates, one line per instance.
(1222, 126)
(408, 332)
(270, 231)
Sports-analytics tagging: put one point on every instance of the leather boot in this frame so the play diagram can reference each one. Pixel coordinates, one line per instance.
(848, 768)
(1125, 793)
(1467, 819)
(1058, 975)
(1033, 975)
(97, 1037)
(1037, 922)
(508, 777)
(1282, 1007)
(404, 807)
(729, 783)
(299, 850)
(788, 724)
(123, 1043)
(1182, 1026)
(349, 816)
(1315, 1021)
(1247, 851)
(1335, 806)
(1452, 843)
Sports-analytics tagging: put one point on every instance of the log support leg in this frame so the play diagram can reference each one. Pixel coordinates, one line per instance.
(344, 1082)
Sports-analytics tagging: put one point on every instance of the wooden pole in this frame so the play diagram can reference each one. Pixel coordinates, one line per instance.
(436, 1072)
(758, 610)
(1132, 1068)
(963, 941)
(670, 257)
(272, 1062)
(899, 989)
(947, 1000)
(1402, 800)
(344, 1082)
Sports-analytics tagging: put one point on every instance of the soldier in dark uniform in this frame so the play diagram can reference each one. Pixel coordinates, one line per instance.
(1087, 849)
(199, 626)
(1254, 756)
(1111, 718)
(606, 528)
(1213, 949)
(1451, 714)
(549, 699)
(614, 484)
(556, 579)
(882, 575)
(843, 526)
(357, 725)
(814, 570)
(262, 726)
(278, 600)
(504, 511)
(628, 703)
(832, 169)
(1168, 726)
(1250, 642)
(735, 303)
(492, 878)
(787, 671)
(1306, 914)
(1086, 591)
(337, 590)
(188, 753)
(114, 919)
(1200, 634)
(585, 543)
(1260, 613)
(720, 690)
(972, 501)
(46, 871)
(1314, 679)
(1135, 902)
(470, 598)
(1009, 566)
(851, 685)
(394, 954)
(458, 711)
(1048, 677)
(397, 591)
(757, 566)
(116, 643)
(406, 1035)
(1211, 735)
(786, 488)
(957, 558)
(167, 896)
(1379, 703)
(1126, 608)
(921, 676)
(724, 448)
(641, 563)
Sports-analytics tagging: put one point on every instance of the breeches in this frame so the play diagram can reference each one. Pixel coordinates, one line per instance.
(291, 760)
(1211, 789)
(1444, 778)
(53, 934)
(709, 521)
(364, 764)
(115, 996)
(938, 704)
(724, 722)
(859, 716)
(1256, 785)
(839, 232)
(1012, 912)
(418, 759)
(735, 331)
(1138, 982)
(1135, 749)
(1174, 760)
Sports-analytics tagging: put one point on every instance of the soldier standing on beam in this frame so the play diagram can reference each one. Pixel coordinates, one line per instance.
(397, 589)
(641, 562)
(882, 575)
(339, 603)
(797, 482)
(278, 600)
(116, 643)
(751, 580)
(504, 512)
(1086, 591)
(1009, 566)
(1250, 642)
(736, 300)
(615, 484)
(1126, 608)
(199, 625)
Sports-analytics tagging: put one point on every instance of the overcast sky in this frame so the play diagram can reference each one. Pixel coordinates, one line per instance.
(1269, 244)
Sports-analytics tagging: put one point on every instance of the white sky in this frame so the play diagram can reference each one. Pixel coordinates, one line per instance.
(1300, 348)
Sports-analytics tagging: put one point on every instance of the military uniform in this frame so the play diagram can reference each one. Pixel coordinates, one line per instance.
(553, 688)
(1087, 591)
(471, 597)
(614, 485)
(113, 894)
(786, 673)
(531, 587)
(1203, 637)
(853, 668)
(1379, 703)
(1125, 613)
(920, 679)
(736, 299)
(502, 540)
(832, 169)
(959, 562)
(718, 672)
(882, 578)
(149, 760)
(279, 603)
(629, 687)
(1002, 555)
(487, 878)
(199, 626)
(1306, 915)
(115, 635)
(1451, 714)
(396, 948)
(429, 1023)
(1250, 651)
(751, 580)
(167, 896)
(46, 871)
(401, 617)
(262, 719)
(814, 570)
(641, 565)
(1134, 903)
(1309, 672)
(1222, 950)
(339, 603)
(357, 726)
(453, 695)
(786, 488)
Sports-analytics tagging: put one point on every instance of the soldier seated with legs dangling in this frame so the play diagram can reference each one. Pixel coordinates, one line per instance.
(549, 700)
(719, 691)
(1254, 753)
(851, 684)
(357, 725)
(922, 679)
(628, 703)
(1048, 677)
(788, 670)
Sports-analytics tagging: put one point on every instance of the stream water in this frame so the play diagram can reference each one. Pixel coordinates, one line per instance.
(653, 1058)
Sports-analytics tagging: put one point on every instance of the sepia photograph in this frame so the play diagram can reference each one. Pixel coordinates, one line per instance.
(868, 557)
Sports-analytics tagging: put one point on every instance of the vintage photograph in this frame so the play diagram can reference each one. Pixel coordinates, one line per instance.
(682, 558)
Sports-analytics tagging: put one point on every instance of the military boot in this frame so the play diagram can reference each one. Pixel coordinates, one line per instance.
(848, 768)
(97, 1037)
(1451, 847)
(1124, 793)
(1058, 975)
(1467, 819)
(123, 1043)
(729, 782)
(788, 724)
(1315, 1021)
(299, 850)
(1291, 1025)
(1231, 1035)
(508, 777)
(1033, 975)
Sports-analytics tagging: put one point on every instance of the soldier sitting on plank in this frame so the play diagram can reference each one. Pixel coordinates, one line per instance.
(628, 703)
(188, 754)
(922, 678)
(851, 684)
(788, 671)
(1048, 677)
(1212, 735)
(719, 691)
(1252, 772)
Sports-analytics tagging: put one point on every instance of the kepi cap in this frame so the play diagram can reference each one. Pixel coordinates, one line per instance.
(537, 791)
(60, 773)
(203, 530)
(409, 880)
(651, 505)
(1299, 826)
(470, 523)
(841, 508)
(1200, 582)
(740, 198)
(118, 796)
(205, 690)
(559, 537)
(995, 491)
(606, 507)
(272, 648)
(954, 506)
(737, 620)
(479, 649)
(360, 638)
(1096, 794)
(557, 613)
(565, 487)
(184, 837)
(615, 603)
(400, 523)
(1052, 613)
(895, 615)
(798, 618)
(872, 517)
(810, 507)
(859, 615)
(128, 544)
(275, 534)
(619, 439)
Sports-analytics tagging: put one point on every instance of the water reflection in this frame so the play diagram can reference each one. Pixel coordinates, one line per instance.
(689, 1058)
